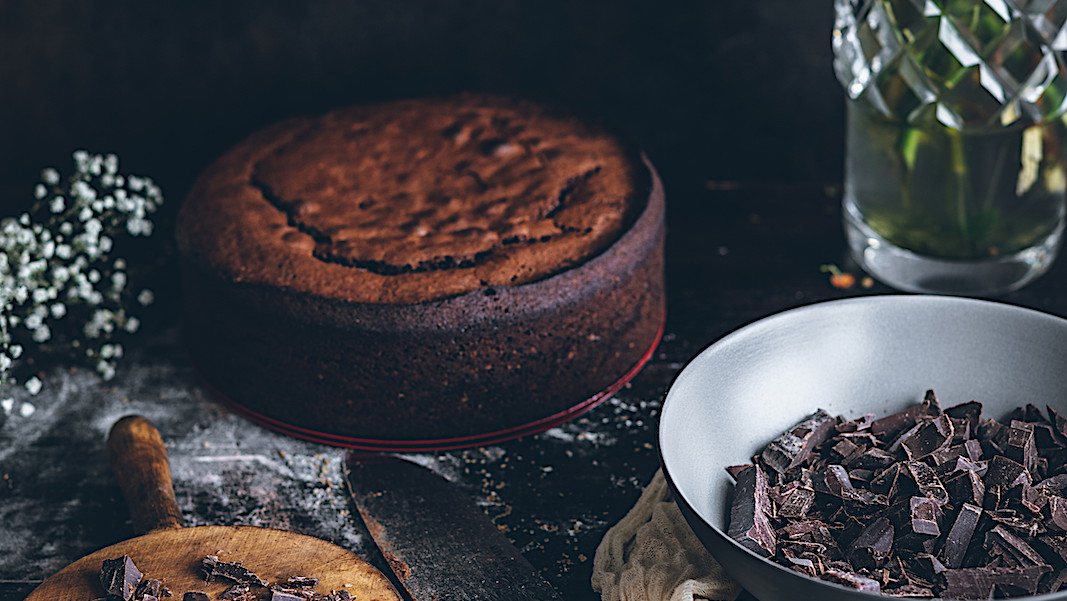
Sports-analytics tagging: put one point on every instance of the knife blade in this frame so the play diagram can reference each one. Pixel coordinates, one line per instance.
(440, 545)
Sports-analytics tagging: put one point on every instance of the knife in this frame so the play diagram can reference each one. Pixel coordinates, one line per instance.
(438, 543)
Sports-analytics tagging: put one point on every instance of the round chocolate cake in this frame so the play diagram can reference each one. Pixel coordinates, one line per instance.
(423, 271)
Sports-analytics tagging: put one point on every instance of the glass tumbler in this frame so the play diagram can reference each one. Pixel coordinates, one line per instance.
(955, 159)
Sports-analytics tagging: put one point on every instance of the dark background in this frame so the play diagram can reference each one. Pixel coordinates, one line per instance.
(718, 90)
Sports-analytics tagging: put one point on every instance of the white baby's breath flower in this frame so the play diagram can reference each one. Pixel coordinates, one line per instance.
(34, 385)
(146, 297)
(42, 334)
(50, 176)
(59, 283)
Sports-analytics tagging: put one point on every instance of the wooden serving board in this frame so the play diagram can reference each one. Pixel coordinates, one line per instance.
(173, 554)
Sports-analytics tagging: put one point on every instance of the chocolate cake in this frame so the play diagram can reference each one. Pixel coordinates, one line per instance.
(422, 270)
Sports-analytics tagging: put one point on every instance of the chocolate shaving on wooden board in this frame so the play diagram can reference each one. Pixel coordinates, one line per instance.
(122, 581)
(921, 503)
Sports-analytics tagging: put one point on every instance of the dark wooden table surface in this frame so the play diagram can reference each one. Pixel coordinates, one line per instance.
(736, 252)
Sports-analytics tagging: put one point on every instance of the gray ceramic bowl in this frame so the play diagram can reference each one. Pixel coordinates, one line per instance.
(862, 355)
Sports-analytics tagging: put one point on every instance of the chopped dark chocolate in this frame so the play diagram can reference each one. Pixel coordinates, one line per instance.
(237, 592)
(281, 595)
(341, 595)
(749, 523)
(1013, 550)
(889, 427)
(927, 481)
(979, 583)
(926, 516)
(910, 591)
(1022, 447)
(794, 500)
(733, 470)
(1005, 473)
(930, 436)
(120, 577)
(873, 546)
(959, 536)
(970, 412)
(211, 568)
(965, 486)
(793, 447)
(1057, 506)
(302, 581)
(195, 596)
(853, 580)
(149, 587)
(920, 503)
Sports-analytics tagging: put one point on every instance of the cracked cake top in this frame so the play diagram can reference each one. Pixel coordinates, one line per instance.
(412, 200)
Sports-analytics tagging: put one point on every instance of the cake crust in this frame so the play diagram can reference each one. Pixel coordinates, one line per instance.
(412, 201)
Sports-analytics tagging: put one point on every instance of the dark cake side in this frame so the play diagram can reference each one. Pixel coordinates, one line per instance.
(480, 362)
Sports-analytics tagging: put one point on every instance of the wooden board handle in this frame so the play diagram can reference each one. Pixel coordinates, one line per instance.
(139, 460)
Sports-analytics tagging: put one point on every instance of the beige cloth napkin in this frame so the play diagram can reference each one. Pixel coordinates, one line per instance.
(653, 555)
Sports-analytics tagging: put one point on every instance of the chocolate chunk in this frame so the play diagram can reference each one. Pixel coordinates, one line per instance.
(1005, 473)
(959, 536)
(1054, 546)
(1054, 484)
(846, 449)
(237, 592)
(928, 483)
(211, 568)
(1022, 447)
(302, 581)
(792, 448)
(853, 580)
(195, 596)
(148, 587)
(971, 412)
(990, 430)
(874, 459)
(979, 583)
(749, 524)
(891, 426)
(873, 546)
(282, 595)
(120, 577)
(305, 593)
(341, 595)
(1033, 498)
(1013, 550)
(925, 516)
(909, 591)
(966, 486)
(794, 500)
(894, 482)
(929, 436)
(1057, 507)
(1052, 582)
(733, 470)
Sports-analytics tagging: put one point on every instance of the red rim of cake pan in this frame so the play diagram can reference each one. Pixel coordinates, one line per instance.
(442, 444)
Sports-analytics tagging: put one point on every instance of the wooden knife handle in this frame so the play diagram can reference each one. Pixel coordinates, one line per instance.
(139, 460)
